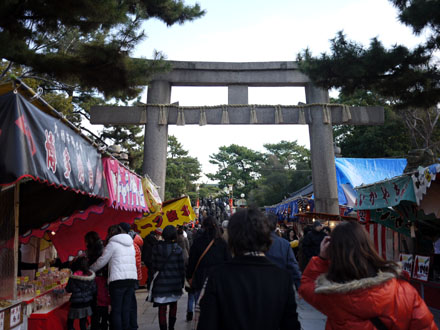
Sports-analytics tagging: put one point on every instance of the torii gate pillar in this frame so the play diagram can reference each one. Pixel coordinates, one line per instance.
(156, 136)
(322, 155)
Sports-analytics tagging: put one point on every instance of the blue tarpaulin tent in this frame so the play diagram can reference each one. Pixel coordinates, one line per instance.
(350, 173)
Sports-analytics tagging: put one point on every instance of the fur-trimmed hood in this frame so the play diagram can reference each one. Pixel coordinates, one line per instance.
(325, 286)
(90, 277)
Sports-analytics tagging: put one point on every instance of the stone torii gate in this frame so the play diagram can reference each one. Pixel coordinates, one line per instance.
(317, 113)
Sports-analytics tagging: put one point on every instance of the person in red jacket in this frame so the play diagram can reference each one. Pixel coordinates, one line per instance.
(357, 289)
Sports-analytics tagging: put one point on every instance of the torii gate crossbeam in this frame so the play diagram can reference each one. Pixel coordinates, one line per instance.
(317, 113)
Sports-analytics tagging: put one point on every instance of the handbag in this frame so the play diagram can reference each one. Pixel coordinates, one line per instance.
(156, 273)
(189, 281)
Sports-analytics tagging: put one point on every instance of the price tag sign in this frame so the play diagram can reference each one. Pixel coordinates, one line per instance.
(18, 281)
(37, 274)
(37, 292)
(26, 279)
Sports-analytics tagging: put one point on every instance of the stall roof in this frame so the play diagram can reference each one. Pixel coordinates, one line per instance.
(353, 172)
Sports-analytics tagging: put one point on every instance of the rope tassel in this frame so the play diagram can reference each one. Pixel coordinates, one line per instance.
(326, 115)
(278, 115)
(346, 114)
(225, 115)
(253, 119)
(202, 120)
(163, 115)
(180, 117)
(301, 117)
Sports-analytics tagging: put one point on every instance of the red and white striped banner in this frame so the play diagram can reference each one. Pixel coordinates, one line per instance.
(383, 239)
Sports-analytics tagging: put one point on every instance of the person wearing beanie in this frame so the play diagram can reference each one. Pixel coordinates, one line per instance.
(166, 288)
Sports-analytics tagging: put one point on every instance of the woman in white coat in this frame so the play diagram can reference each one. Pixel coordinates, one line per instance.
(119, 254)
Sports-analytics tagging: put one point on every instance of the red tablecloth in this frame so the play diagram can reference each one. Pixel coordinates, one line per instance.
(53, 320)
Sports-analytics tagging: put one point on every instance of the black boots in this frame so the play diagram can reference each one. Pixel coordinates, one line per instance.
(171, 323)
(189, 316)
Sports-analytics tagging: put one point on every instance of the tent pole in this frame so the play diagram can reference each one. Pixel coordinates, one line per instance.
(16, 247)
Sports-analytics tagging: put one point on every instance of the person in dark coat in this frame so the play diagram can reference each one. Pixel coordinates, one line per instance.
(147, 252)
(249, 292)
(101, 301)
(217, 254)
(83, 288)
(281, 254)
(166, 288)
(312, 242)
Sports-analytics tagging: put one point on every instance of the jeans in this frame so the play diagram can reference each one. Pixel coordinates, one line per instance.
(133, 309)
(121, 296)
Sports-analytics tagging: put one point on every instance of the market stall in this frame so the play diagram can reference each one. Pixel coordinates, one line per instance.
(408, 207)
(48, 170)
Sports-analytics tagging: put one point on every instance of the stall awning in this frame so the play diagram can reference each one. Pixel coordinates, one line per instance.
(38, 146)
(399, 202)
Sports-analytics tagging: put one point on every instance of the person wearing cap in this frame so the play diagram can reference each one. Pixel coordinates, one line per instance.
(312, 241)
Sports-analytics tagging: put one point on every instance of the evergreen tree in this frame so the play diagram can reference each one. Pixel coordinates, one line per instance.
(408, 79)
(86, 43)
(237, 165)
(381, 141)
(182, 171)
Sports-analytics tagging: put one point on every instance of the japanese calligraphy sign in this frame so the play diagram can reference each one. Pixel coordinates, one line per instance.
(385, 193)
(173, 213)
(407, 261)
(124, 187)
(421, 268)
(37, 145)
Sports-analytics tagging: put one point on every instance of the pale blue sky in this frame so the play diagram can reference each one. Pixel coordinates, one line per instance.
(255, 30)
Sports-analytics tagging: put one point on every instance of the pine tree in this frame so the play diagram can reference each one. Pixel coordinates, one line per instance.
(83, 42)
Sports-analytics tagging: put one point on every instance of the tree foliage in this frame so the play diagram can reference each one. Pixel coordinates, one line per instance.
(182, 171)
(237, 165)
(265, 178)
(86, 43)
(382, 141)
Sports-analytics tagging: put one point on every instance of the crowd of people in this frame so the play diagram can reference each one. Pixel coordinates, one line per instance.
(242, 273)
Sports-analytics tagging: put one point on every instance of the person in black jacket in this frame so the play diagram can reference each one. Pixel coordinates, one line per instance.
(166, 288)
(249, 292)
(101, 300)
(217, 254)
(83, 287)
(312, 242)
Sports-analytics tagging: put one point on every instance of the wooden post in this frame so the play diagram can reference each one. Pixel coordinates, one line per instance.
(16, 247)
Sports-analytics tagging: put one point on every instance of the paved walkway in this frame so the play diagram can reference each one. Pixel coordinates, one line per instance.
(309, 317)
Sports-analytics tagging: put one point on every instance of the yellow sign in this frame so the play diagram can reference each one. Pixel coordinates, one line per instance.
(173, 213)
(151, 194)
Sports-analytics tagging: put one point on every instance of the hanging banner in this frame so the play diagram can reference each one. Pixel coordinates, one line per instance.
(124, 187)
(176, 212)
(39, 146)
(385, 193)
(421, 268)
(154, 202)
(422, 180)
(407, 261)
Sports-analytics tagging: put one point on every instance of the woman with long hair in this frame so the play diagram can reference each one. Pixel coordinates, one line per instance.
(208, 249)
(357, 289)
(249, 292)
